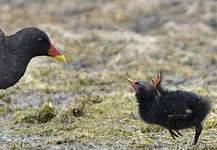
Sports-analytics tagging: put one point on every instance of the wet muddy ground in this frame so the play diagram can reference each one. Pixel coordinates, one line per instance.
(88, 102)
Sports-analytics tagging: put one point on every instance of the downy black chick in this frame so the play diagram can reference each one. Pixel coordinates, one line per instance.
(173, 110)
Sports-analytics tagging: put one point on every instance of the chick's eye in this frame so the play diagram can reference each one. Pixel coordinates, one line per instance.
(136, 83)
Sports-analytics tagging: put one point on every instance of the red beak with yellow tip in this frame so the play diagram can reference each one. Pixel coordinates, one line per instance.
(134, 85)
(53, 52)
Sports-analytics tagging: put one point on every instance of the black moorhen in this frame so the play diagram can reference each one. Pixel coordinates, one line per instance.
(18, 49)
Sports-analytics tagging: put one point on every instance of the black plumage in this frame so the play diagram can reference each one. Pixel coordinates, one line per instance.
(18, 49)
(173, 110)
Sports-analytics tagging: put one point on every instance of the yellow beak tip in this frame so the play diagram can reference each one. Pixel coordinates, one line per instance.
(61, 58)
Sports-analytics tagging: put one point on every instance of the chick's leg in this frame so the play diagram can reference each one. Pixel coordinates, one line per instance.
(197, 134)
(173, 134)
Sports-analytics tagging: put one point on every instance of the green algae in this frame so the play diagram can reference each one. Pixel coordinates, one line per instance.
(4, 110)
(47, 112)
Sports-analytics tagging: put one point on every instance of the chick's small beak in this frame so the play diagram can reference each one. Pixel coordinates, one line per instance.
(134, 85)
(53, 52)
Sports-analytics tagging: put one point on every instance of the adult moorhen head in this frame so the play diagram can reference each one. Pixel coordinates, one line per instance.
(18, 49)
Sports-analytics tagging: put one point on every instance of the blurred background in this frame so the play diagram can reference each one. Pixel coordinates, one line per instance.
(106, 42)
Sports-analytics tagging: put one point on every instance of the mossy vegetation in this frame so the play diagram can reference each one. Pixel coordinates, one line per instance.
(88, 102)
(4, 109)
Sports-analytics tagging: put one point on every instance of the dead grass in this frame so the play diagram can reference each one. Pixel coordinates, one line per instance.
(103, 51)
